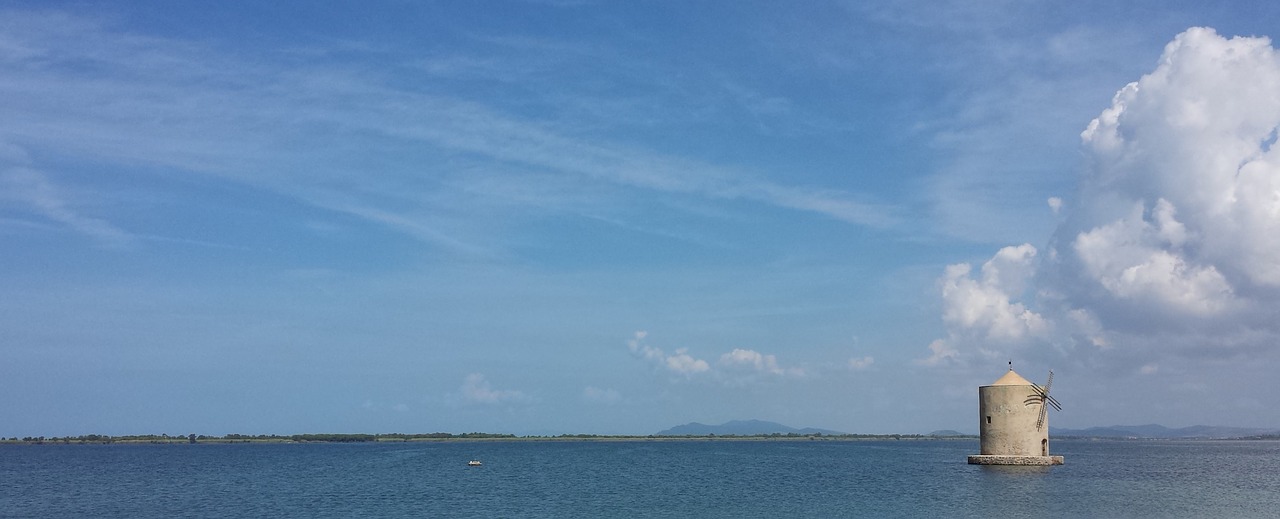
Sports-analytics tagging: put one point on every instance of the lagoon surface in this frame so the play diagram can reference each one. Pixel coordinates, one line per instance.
(822, 478)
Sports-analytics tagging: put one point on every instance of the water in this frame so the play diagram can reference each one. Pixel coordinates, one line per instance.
(637, 479)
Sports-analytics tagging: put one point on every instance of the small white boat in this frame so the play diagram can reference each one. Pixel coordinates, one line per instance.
(473, 463)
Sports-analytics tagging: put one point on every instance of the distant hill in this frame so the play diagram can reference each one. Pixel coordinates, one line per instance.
(1151, 431)
(1162, 432)
(740, 428)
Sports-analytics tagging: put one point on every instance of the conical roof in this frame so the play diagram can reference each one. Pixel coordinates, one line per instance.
(1011, 379)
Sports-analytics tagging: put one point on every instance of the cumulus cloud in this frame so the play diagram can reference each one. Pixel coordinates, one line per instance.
(940, 351)
(734, 367)
(477, 390)
(639, 348)
(684, 363)
(984, 303)
(861, 363)
(1174, 231)
(1196, 137)
(680, 362)
(1142, 259)
(1181, 201)
(740, 359)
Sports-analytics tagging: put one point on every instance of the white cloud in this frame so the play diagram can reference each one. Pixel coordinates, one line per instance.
(475, 389)
(985, 304)
(940, 351)
(1197, 134)
(1055, 204)
(1087, 327)
(755, 361)
(685, 364)
(737, 366)
(1144, 261)
(680, 363)
(1172, 245)
(638, 347)
(861, 363)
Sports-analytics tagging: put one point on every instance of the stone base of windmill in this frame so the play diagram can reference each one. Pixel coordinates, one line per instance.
(1023, 461)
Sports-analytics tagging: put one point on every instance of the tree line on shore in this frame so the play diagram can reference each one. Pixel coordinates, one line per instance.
(245, 438)
(437, 436)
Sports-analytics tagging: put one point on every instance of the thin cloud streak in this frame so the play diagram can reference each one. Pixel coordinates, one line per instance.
(32, 189)
(300, 129)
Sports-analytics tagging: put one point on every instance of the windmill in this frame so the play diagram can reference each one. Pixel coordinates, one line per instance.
(1043, 394)
(1007, 410)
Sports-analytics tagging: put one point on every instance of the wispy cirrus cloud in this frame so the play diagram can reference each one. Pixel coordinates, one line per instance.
(313, 128)
(31, 189)
(996, 132)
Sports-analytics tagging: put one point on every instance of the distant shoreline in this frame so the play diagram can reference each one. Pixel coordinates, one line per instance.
(486, 437)
(460, 438)
(95, 439)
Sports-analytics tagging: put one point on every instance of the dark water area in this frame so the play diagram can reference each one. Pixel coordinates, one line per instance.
(638, 479)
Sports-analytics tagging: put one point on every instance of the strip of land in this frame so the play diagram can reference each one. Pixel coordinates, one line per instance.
(441, 437)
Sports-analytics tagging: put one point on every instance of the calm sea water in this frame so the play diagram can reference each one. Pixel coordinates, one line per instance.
(637, 479)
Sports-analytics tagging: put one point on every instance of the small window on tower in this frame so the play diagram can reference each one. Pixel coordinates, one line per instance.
(988, 419)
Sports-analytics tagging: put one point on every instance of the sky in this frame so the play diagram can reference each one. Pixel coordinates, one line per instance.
(580, 217)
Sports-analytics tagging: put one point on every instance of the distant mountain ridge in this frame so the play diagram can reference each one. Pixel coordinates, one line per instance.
(1148, 431)
(1162, 432)
(741, 428)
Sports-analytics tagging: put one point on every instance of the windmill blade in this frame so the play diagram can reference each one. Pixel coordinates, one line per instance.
(1046, 399)
(1043, 393)
(1052, 401)
(1044, 396)
(1040, 398)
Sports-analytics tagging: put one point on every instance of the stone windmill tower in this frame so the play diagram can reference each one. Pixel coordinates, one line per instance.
(1014, 423)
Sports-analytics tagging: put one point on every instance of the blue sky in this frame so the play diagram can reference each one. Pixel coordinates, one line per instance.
(596, 217)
